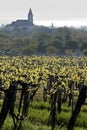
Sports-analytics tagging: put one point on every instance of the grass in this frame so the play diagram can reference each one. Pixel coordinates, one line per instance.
(8, 124)
(38, 117)
(40, 105)
(82, 120)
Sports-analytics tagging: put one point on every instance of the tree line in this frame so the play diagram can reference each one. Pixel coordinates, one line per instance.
(44, 41)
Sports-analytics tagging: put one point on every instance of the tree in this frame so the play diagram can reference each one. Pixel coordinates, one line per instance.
(51, 50)
(30, 49)
(85, 52)
(68, 52)
(84, 45)
(58, 43)
(72, 44)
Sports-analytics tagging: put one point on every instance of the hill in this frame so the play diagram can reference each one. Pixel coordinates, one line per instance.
(42, 40)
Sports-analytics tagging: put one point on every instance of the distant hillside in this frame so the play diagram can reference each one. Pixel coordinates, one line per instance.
(42, 40)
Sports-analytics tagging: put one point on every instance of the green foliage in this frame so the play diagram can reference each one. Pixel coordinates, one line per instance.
(30, 68)
(84, 45)
(30, 49)
(72, 44)
(44, 40)
(52, 50)
(68, 52)
(85, 52)
(58, 43)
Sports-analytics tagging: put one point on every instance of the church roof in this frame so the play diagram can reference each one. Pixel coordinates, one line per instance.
(21, 23)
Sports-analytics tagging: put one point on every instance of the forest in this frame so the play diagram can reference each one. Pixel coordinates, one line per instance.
(42, 40)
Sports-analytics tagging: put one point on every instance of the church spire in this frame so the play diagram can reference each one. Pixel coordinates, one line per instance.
(30, 12)
(30, 16)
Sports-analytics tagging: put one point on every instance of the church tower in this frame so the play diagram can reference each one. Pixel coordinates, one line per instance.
(30, 16)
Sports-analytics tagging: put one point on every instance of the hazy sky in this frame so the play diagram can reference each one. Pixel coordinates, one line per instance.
(44, 9)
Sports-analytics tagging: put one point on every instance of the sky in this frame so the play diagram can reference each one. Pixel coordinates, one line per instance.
(64, 11)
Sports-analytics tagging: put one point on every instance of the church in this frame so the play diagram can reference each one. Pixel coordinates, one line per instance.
(22, 23)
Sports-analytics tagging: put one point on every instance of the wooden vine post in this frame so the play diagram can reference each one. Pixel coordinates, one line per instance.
(8, 103)
(53, 109)
(80, 102)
